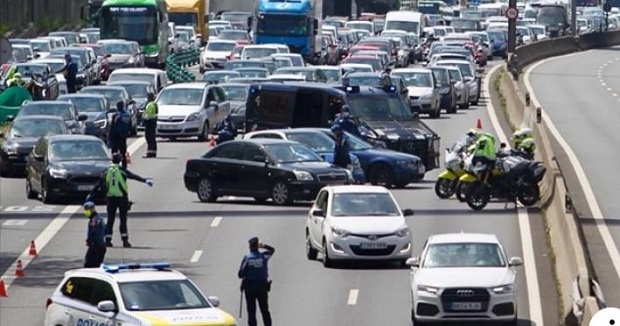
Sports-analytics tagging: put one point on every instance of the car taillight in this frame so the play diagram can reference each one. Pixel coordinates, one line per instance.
(48, 303)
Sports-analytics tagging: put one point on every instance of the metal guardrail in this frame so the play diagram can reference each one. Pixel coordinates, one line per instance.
(177, 65)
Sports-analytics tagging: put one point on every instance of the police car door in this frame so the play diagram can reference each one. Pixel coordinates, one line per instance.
(101, 291)
(78, 295)
(315, 221)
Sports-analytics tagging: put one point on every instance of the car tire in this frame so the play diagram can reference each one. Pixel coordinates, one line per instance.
(381, 174)
(206, 191)
(46, 197)
(327, 262)
(311, 252)
(204, 136)
(30, 194)
(280, 193)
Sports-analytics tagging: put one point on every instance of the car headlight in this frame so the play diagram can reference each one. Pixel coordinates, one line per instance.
(194, 116)
(427, 289)
(57, 173)
(100, 123)
(10, 150)
(504, 289)
(131, 60)
(404, 163)
(303, 175)
(404, 232)
(339, 233)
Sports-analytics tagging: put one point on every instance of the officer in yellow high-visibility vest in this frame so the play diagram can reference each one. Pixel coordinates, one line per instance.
(150, 126)
(114, 182)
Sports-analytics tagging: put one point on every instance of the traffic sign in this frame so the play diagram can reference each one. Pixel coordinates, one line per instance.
(512, 13)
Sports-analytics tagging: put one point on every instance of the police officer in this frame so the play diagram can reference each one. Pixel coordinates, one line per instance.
(520, 135)
(484, 153)
(342, 151)
(255, 280)
(226, 130)
(150, 126)
(95, 237)
(114, 182)
(347, 122)
(70, 71)
(119, 131)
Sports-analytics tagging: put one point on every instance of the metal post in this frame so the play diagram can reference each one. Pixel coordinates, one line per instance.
(512, 29)
(538, 114)
(527, 99)
(573, 18)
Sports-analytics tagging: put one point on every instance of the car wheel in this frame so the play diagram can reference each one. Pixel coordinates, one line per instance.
(381, 174)
(46, 197)
(327, 262)
(280, 193)
(204, 136)
(30, 194)
(311, 253)
(206, 191)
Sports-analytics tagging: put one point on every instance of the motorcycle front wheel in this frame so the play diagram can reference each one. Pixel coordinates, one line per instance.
(445, 188)
(529, 195)
(478, 197)
(461, 191)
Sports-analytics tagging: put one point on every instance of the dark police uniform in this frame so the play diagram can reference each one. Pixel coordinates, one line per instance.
(226, 130)
(348, 124)
(342, 151)
(256, 284)
(119, 131)
(95, 241)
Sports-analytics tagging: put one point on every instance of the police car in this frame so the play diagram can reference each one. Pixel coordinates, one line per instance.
(132, 294)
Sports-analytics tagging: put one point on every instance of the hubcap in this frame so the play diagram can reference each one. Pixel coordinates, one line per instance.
(280, 193)
(204, 188)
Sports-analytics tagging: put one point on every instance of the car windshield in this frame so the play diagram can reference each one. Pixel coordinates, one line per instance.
(406, 26)
(235, 16)
(56, 109)
(236, 93)
(364, 26)
(441, 75)
(253, 73)
(375, 107)
(183, 36)
(463, 255)
(258, 52)
(364, 80)
(130, 77)
(78, 150)
(31, 70)
(85, 104)
(36, 128)
(230, 65)
(357, 144)
(291, 153)
(415, 79)
(465, 24)
(282, 25)
(221, 46)
(283, 62)
(356, 68)
(538, 30)
(118, 48)
(162, 295)
(455, 75)
(220, 76)
(465, 68)
(497, 36)
(112, 95)
(135, 90)
(298, 61)
(233, 35)
(333, 75)
(363, 204)
(317, 141)
(43, 46)
(374, 62)
(181, 96)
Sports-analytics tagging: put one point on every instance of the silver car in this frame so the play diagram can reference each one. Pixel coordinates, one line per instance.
(470, 75)
(423, 90)
(462, 89)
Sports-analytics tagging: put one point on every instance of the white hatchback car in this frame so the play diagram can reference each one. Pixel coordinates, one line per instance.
(132, 295)
(357, 223)
(463, 276)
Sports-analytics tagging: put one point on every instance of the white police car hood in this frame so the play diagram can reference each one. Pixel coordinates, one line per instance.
(193, 317)
(465, 276)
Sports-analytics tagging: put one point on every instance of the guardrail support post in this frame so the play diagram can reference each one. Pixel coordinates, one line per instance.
(568, 203)
(527, 99)
(538, 112)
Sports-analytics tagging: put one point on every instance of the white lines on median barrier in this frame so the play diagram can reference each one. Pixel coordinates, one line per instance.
(609, 89)
(614, 94)
(353, 294)
(603, 84)
(216, 222)
(196, 256)
(14, 222)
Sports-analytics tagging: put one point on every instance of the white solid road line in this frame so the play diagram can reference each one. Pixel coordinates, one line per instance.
(531, 275)
(52, 229)
(196, 256)
(353, 294)
(14, 222)
(612, 249)
(216, 222)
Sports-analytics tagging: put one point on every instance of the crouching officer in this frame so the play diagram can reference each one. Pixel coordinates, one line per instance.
(255, 280)
(95, 237)
(226, 130)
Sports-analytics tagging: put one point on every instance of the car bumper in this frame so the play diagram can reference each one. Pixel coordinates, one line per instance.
(432, 308)
(308, 190)
(408, 175)
(422, 105)
(14, 163)
(179, 129)
(352, 248)
(446, 100)
(73, 187)
(213, 64)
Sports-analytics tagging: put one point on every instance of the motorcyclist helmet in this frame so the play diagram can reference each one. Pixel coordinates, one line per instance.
(472, 132)
(523, 133)
(528, 145)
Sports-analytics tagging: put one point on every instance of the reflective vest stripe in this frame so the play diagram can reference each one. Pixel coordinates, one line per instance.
(115, 182)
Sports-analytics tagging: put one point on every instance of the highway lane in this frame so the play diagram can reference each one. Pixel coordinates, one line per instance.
(168, 223)
(583, 108)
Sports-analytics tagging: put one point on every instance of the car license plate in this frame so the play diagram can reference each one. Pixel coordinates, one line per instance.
(85, 187)
(463, 306)
(168, 127)
(373, 245)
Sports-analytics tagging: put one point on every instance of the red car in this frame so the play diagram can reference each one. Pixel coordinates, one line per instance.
(375, 62)
(102, 58)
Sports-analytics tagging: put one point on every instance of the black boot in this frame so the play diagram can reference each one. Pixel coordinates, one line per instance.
(126, 243)
(108, 243)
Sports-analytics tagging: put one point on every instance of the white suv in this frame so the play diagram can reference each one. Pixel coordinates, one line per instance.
(463, 276)
(132, 295)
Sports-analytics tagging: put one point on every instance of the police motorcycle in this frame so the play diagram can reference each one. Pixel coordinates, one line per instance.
(448, 180)
(511, 178)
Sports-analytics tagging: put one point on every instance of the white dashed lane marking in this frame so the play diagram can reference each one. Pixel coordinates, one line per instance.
(216, 222)
(14, 222)
(353, 294)
(196, 256)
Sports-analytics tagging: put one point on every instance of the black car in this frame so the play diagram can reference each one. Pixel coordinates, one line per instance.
(115, 94)
(41, 80)
(64, 166)
(96, 108)
(20, 140)
(65, 110)
(446, 88)
(261, 168)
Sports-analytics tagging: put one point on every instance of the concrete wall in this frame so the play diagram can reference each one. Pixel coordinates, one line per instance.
(42, 15)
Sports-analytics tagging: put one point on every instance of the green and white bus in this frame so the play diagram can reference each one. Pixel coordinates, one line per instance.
(143, 21)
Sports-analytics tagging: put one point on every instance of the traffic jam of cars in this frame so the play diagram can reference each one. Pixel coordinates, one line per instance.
(389, 71)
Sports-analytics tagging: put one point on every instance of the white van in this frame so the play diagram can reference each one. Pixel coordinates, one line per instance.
(408, 21)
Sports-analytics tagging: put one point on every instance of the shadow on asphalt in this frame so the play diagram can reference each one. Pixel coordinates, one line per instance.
(45, 272)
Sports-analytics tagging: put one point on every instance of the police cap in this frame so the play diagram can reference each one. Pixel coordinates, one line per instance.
(253, 240)
(89, 204)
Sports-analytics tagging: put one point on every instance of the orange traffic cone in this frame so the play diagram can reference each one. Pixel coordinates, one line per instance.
(212, 141)
(479, 124)
(19, 270)
(33, 249)
(128, 157)
(3, 293)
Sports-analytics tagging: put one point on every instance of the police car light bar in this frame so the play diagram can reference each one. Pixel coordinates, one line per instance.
(122, 267)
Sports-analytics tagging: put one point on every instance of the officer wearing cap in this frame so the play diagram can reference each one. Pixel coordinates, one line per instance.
(70, 71)
(255, 280)
(150, 126)
(347, 122)
(94, 237)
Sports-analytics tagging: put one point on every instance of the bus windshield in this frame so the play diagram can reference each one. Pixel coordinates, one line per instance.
(130, 23)
(283, 25)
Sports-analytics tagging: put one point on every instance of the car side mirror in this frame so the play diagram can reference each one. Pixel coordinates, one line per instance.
(408, 212)
(35, 49)
(438, 85)
(107, 306)
(424, 63)
(215, 301)
(453, 81)
(318, 213)
(82, 117)
(93, 62)
(502, 145)
(413, 262)
(515, 261)
(10, 118)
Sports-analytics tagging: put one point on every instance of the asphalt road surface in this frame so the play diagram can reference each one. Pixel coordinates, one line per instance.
(207, 242)
(580, 94)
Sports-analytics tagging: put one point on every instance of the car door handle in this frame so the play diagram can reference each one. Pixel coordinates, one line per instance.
(92, 318)
(67, 312)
